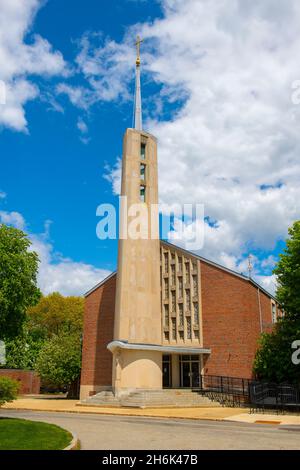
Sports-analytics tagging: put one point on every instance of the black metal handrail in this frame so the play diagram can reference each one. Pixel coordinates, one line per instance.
(270, 395)
(234, 391)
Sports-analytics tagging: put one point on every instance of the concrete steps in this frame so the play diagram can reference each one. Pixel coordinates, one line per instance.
(168, 398)
(105, 398)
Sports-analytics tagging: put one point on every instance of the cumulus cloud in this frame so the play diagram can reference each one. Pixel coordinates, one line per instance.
(233, 144)
(13, 218)
(56, 273)
(20, 57)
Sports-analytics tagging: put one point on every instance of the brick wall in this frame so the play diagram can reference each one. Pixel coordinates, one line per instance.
(98, 332)
(29, 380)
(231, 321)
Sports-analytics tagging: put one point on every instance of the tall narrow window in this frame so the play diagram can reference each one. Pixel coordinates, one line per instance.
(173, 302)
(173, 274)
(167, 316)
(180, 265)
(188, 328)
(173, 328)
(196, 313)
(195, 285)
(143, 194)
(166, 288)
(166, 259)
(143, 151)
(180, 307)
(180, 287)
(187, 271)
(143, 172)
(188, 299)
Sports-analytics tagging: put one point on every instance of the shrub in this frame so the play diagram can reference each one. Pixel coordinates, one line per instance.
(9, 389)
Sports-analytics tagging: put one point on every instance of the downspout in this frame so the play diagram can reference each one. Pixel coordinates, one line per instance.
(260, 313)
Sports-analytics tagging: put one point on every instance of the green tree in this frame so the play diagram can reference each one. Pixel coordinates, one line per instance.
(273, 360)
(52, 316)
(59, 361)
(288, 274)
(56, 314)
(18, 280)
(9, 389)
(22, 352)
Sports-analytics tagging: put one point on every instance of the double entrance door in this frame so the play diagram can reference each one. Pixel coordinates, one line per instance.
(189, 371)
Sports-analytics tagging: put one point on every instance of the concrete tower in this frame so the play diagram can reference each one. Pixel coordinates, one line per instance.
(137, 364)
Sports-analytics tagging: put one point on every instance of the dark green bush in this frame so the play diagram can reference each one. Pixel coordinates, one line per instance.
(9, 389)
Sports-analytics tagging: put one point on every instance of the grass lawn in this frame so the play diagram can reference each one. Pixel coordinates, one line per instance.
(20, 434)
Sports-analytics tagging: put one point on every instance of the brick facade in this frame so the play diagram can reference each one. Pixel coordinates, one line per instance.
(231, 321)
(234, 312)
(98, 332)
(29, 380)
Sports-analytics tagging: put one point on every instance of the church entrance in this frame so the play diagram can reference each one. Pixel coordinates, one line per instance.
(189, 371)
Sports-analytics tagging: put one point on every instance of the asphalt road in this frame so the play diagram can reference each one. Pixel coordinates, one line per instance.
(104, 432)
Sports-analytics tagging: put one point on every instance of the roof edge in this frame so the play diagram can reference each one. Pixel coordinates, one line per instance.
(114, 273)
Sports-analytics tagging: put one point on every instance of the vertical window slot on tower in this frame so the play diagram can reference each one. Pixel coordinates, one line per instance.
(143, 151)
(143, 172)
(143, 193)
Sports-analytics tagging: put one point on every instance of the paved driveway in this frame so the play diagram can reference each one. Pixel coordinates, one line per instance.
(98, 432)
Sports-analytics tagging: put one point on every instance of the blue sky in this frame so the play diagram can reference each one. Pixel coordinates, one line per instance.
(226, 125)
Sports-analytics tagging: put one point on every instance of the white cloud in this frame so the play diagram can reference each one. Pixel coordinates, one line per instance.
(82, 126)
(13, 218)
(56, 273)
(20, 58)
(79, 96)
(83, 129)
(113, 175)
(234, 145)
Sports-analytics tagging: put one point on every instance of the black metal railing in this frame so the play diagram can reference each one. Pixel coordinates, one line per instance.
(274, 396)
(233, 391)
(229, 391)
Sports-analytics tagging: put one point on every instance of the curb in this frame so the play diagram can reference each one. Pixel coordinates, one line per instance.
(74, 445)
(290, 427)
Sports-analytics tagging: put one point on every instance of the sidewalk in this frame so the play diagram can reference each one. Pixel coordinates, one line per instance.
(216, 414)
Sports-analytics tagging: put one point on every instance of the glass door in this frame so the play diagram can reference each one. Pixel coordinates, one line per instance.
(167, 372)
(195, 374)
(189, 371)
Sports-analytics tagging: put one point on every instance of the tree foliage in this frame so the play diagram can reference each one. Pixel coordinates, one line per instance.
(18, 280)
(273, 361)
(9, 389)
(22, 352)
(288, 274)
(56, 314)
(59, 361)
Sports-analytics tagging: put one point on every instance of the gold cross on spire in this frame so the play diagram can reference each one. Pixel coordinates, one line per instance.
(138, 50)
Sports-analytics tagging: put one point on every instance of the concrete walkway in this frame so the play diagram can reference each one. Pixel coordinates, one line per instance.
(241, 415)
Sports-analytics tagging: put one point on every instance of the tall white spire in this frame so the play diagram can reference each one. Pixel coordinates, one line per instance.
(138, 118)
